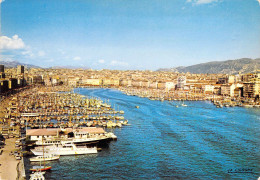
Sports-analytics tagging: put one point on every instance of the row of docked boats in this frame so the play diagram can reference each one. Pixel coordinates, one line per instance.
(67, 141)
(53, 152)
(51, 148)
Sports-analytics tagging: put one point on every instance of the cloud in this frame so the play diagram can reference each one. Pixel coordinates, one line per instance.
(11, 43)
(101, 61)
(205, 1)
(258, 1)
(41, 53)
(202, 1)
(77, 58)
(118, 63)
(27, 53)
(1, 1)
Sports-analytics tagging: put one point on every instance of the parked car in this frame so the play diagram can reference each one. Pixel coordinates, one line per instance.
(2, 137)
(2, 144)
(18, 157)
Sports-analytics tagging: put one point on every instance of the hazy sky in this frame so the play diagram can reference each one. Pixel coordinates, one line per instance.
(128, 34)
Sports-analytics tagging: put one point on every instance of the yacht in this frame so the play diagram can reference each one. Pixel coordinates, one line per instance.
(79, 138)
(65, 149)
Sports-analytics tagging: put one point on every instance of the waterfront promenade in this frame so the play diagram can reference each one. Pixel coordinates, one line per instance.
(8, 167)
(8, 164)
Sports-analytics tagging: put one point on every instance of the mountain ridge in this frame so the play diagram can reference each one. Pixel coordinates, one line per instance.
(243, 65)
(13, 64)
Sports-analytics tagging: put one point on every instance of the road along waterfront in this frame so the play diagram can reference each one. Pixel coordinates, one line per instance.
(199, 141)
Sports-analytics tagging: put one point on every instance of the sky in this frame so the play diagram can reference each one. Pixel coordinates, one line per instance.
(128, 34)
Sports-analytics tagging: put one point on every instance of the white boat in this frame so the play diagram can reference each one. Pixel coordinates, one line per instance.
(248, 105)
(76, 140)
(46, 157)
(38, 175)
(65, 149)
(119, 124)
(183, 104)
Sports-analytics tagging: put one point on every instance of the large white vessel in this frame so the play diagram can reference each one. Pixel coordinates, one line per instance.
(79, 137)
(65, 149)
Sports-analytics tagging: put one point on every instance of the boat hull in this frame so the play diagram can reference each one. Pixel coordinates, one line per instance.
(35, 159)
(46, 168)
(65, 152)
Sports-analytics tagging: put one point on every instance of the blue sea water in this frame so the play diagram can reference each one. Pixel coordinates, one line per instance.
(199, 141)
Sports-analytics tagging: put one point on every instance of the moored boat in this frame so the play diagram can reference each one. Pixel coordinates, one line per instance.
(40, 168)
(38, 175)
(50, 157)
(65, 149)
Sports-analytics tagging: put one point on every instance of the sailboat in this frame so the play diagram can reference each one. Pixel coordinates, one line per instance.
(41, 168)
(183, 104)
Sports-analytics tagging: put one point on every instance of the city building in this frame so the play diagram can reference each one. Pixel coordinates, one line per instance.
(20, 69)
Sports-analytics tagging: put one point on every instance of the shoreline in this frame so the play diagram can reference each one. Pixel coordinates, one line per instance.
(161, 95)
(10, 168)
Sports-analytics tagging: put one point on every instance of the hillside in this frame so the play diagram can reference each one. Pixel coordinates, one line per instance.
(244, 65)
(14, 64)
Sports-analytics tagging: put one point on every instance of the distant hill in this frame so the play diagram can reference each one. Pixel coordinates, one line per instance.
(244, 65)
(69, 67)
(14, 64)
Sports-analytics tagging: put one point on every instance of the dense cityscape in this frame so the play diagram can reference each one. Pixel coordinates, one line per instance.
(242, 88)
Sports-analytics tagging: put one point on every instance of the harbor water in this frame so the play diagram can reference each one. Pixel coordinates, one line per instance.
(163, 141)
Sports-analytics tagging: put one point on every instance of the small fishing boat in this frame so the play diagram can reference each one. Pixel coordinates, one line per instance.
(40, 168)
(50, 157)
(137, 107)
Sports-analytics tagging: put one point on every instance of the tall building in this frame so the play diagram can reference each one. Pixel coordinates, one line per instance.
(20, 69)
(2, 71)
(2, 68)
(181, 81)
